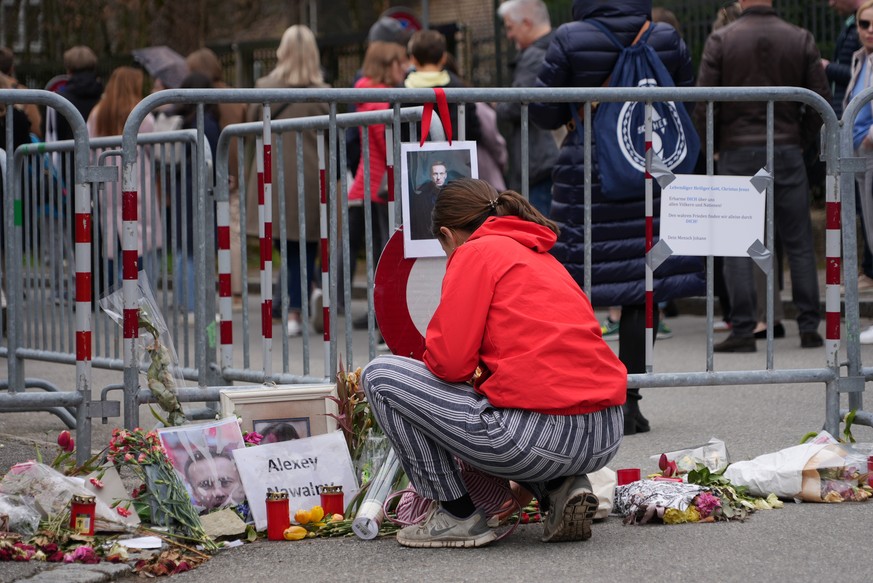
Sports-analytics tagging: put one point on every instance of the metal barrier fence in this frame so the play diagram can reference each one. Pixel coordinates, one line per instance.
(334, 229)
(78, 400)
(297, 126)
(47, 272)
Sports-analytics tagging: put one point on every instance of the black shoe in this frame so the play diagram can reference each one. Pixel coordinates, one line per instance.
(736, 344)
(778, 332)
(810, 340)
(634, 422)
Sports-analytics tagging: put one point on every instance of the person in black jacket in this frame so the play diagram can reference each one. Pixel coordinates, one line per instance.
(580, 55)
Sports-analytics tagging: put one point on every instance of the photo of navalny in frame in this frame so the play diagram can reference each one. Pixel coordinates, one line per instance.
(201, 455)
(425, 170)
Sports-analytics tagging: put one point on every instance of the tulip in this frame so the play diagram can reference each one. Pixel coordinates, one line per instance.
(65, 441)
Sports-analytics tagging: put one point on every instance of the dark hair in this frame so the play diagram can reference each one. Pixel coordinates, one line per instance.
(465, 203)
(7, 59)
(281, 431)
(189, 110)
(427, 46)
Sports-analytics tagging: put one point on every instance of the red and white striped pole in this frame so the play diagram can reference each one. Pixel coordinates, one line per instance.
(265, 232)
(83, 285)
(389, 167)
(225, 299)
(650, 336)
(325, 250)
(833, 267)
(129, 288)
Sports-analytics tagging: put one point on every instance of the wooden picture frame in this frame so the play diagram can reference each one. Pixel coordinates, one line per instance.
(305, 408)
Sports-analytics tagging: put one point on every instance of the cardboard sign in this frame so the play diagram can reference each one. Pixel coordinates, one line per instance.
(300, 467)
(712, 215)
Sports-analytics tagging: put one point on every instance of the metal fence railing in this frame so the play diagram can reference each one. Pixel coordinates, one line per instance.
(231, 359)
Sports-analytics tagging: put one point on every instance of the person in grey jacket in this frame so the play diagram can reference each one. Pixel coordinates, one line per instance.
(528, 25)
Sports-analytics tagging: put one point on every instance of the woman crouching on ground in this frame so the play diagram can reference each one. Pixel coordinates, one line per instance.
(546, 409)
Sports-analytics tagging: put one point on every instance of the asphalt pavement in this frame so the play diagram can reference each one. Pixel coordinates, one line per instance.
(801, 542)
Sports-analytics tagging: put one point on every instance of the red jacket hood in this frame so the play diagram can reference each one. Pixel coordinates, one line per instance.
(533, 236)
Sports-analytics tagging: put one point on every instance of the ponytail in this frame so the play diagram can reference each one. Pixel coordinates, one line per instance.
(467, 202)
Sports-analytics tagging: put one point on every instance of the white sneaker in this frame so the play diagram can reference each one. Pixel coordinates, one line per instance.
(316, 310)
(866, 337)
(294, 329)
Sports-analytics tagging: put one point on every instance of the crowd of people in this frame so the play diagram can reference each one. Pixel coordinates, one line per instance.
(516, 378)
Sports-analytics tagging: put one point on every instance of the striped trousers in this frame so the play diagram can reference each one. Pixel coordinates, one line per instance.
(430, 423)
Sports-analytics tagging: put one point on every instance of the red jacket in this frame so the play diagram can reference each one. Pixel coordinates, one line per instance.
(378, 166)
(509, 306)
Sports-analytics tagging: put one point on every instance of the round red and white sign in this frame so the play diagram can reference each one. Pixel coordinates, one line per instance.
(406, 295)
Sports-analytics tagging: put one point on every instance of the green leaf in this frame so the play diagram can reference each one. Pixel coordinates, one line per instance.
(847, 430)
(158, 417)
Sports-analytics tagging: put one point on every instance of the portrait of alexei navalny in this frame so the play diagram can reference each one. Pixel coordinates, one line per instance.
(425, 171)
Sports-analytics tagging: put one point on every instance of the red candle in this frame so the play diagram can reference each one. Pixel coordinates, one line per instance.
(870, 470)
(332, 500)
(82, 514)
(278, 515)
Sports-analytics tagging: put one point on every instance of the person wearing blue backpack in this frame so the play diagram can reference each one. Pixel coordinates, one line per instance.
(592, 51)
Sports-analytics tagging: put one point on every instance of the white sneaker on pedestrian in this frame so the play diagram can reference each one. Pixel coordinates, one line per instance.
(866, 336)
(316, 310)
(294, 329)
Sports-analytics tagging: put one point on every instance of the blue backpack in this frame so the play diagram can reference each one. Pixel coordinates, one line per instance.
(619, 127)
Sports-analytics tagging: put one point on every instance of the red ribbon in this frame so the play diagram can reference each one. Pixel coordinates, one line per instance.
(445, 118)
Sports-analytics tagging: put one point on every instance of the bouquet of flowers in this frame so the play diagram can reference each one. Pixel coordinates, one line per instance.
(822, 471)
(143, 454)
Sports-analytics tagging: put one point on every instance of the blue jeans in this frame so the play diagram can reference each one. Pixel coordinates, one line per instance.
(540, 195)
(183, 280)
(292, 252)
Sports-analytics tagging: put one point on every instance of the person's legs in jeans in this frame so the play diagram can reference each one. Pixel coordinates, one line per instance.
(294, 276)
(183, 280)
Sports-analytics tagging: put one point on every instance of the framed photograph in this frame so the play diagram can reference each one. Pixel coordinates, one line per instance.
(425, 170)
(286, 429)
(283, 412)
(201, 454)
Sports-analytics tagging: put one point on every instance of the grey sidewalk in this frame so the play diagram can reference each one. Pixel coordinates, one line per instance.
(802, 542)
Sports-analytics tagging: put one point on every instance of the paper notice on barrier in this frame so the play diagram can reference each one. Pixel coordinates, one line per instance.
(712, 215)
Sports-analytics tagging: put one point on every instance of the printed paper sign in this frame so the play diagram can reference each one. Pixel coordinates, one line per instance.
(712, 215)
(300, 467)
